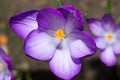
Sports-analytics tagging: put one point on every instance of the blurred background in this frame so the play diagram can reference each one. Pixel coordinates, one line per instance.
(26, 68)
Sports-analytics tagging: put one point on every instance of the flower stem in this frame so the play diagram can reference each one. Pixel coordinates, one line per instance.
(108, 6)
(85, 15)
(28, 76)
(59, 2)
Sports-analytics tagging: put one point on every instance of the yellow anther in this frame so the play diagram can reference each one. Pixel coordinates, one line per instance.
(59, 34)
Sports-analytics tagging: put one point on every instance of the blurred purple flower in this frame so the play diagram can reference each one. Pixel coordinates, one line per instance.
(5, 66)
(107, 38)
(56, 35)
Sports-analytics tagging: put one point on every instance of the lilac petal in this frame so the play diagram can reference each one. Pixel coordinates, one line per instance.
(2, 53)
(50, 19)
(40, 45)
(6, 73)
(2, 76)
(95, 26)
(6, 59)
(117, 32)
(116, 47)
(81, 44)
(108, 22)
(108, 57)
(100, 42)
(107, 18)
(74, 11)
(7, 77)
(73, 23)
(23, 23)
(63, 66)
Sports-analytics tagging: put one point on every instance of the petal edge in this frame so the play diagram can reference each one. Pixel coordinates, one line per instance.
(23, 23)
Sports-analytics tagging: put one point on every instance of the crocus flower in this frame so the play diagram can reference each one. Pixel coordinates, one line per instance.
(5, 66)
(56, 35)
(107, 38)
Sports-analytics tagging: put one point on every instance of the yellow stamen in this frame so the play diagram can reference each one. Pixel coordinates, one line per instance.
(59, 34)
(109, 36)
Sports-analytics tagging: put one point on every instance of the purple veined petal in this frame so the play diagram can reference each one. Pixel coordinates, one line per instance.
(2, 76)
(100, 42)
(107, 18)
(5, 73)
(74, 11)
(108, 57)
(50, 19)
(8, 74)
(40, 45)
(73, 23)
(81, 44)
(116, 47)
(6, 61)
(95, 26)
(117, 32)
(116, 44)
(7, 77)
(63, 66)
(108, 23)
(23, 23)
(10, 67)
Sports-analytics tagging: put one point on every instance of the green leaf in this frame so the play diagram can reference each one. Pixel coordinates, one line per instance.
(59, 2)
(108, 7)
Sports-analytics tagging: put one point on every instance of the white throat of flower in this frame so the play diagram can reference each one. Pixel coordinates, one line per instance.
(110, 37)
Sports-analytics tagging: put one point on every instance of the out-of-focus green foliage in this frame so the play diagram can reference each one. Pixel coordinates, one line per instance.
(28, 77)
(19, 76)
(59, 2)
(85, 15)
(23, 75)
(108, 7)
(118, 20)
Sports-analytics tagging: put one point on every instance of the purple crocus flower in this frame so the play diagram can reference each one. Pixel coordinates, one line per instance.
(107, 38)
(56, 35)
(5, 66)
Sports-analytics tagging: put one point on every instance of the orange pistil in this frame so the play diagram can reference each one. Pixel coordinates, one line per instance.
(3, 39)
(109, 36)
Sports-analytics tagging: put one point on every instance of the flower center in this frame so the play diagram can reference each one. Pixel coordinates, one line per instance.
(109, 36)
(1, 67)
(59, 34)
